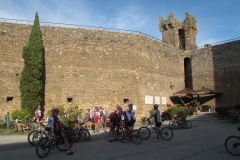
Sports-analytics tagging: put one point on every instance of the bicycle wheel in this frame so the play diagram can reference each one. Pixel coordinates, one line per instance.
(136, 137)
(166, 133)
(145, 132)
(170, 124)
(37, 136)
(30, 137)
(188, 124)
(43, 147)
(173, 125)
(28, 127)
(119, 134)
(12, 128)
(232, 145)
(86, 134)
(60, 143)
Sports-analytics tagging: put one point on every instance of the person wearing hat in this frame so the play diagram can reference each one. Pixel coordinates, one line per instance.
(113, 123)
(129, 120)
(158, 120)
(59, 129)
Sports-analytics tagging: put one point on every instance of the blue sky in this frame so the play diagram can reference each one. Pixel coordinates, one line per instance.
(217, 20)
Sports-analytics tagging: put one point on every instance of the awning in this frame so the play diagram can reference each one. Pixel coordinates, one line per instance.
(186, 95)
(184, 92)
(204, 91)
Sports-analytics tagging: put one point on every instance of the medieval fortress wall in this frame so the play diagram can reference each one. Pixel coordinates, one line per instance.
(100, 68)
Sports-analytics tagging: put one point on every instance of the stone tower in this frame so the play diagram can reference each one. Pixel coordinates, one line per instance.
(179, 34)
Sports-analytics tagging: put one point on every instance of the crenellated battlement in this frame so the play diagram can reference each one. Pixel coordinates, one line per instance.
(179, 34)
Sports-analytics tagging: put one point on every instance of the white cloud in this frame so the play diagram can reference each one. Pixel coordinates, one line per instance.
(132, 17)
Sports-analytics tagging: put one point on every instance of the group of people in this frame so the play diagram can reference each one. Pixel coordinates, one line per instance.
(127, 119)
(119, 117)
(98, 116)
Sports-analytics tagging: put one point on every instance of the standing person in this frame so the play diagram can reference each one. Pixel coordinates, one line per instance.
(113, 117)
(66, 114)
(38, 114)
(96, 120)
(89, 118)
(7, 120)
(50, 121)
(103, 117)
(59, 129)
(129, 120)
(158, 120)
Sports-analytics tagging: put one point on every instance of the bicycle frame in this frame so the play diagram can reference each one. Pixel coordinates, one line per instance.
(152, 125)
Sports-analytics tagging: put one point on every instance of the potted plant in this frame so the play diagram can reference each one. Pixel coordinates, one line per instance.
(166, 114)
(195, 103)
(173, 112)
(194, 110)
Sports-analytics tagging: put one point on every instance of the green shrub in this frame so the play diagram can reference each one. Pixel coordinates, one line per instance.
(21, 114)
(165, 113)
(173, 110)
(193, 109)
(73, 113)
(187, 111)
(195, 103)
(151, 111)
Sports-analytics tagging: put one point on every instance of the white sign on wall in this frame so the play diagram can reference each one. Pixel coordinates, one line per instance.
(164, 100)
(157, 100)
(134, 107)
(148, 99)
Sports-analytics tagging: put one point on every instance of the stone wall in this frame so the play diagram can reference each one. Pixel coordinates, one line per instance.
(217, 67)
(97, 67)
(94, 67)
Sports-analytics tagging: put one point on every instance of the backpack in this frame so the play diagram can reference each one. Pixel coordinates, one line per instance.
(57, 128)
(113, 116)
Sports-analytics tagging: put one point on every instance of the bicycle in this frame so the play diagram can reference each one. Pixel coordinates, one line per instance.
(118, 134)
(165, 133)
(36, 135)
(80, 132)
(134, 135)
(48, 143)
(25, 127)
(180, 123)
(11, 128)
(232, 144)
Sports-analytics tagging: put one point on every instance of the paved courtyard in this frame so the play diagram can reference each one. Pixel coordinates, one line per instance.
(204, 141)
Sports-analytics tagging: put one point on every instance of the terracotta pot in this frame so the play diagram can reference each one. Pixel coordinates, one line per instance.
(19, 128)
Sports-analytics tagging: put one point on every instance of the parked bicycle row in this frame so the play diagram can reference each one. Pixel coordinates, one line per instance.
(47, 137)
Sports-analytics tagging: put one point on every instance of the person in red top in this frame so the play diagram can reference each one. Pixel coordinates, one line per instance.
(113, 117)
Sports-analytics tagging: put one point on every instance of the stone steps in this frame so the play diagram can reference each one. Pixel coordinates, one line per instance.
(206, 116)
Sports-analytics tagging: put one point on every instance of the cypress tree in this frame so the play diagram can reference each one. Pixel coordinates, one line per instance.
(31, 82)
